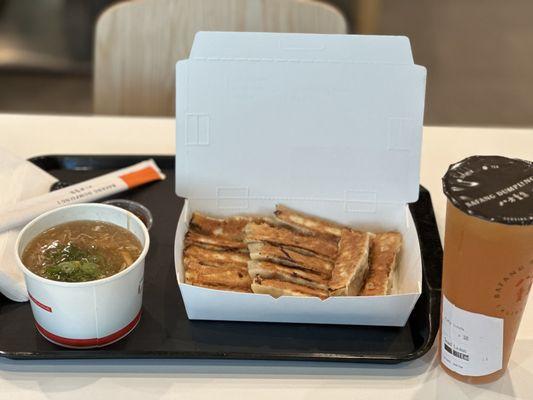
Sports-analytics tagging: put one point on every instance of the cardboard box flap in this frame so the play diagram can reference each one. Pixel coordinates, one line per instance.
(294, 128)
(287, 46)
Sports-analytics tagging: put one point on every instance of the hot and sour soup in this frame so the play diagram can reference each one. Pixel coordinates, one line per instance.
(81, 251)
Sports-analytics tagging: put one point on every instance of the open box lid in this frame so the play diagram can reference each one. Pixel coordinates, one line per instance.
(286, 116)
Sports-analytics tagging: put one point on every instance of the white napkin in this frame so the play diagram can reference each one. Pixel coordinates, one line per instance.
(19, 180)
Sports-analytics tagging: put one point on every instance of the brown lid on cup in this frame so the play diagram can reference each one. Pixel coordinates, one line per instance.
(493, 188)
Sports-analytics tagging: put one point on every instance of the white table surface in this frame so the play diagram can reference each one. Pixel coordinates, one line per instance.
(31, 135)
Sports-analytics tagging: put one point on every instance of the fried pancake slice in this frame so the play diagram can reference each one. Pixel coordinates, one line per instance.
(213, 242)
(216, 258)
(277, 288)
(383, 261)
(265, 233)
(226, 288)
(199, 274)
(287, 256)
(307, 224)
(231, 228)
(268, 270)
(351, 265)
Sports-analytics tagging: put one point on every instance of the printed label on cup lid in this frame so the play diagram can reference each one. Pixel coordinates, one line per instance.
(493, 188)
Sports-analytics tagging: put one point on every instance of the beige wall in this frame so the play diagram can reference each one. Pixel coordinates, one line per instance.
(479, 55)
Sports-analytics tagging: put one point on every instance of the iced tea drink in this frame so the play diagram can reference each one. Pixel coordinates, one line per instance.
(488, 264)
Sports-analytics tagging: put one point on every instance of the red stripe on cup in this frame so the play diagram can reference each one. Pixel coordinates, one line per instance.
(89, 342)
(39, 304)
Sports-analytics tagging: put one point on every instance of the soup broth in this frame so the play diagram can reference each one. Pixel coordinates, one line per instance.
(81, 251)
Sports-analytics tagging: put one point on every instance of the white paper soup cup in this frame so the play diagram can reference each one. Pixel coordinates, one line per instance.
(86, 314)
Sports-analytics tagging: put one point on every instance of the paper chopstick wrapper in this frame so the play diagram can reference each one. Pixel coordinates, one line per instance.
(87, 191)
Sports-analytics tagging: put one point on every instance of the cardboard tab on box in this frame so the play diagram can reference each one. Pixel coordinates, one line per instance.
(330, 125)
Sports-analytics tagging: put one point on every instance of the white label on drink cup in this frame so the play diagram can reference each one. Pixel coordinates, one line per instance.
(472, 344)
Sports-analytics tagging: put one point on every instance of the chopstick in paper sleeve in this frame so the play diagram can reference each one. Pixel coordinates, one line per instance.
(87, 191)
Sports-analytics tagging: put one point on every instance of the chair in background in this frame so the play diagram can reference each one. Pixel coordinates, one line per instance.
(137, 43)
(363, 15)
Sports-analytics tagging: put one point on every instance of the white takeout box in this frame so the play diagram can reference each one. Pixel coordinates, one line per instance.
(330, 125)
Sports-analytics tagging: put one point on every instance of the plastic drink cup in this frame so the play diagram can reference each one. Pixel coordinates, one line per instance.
(488, 264)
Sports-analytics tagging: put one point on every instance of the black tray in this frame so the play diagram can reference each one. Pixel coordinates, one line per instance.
(165, 331)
